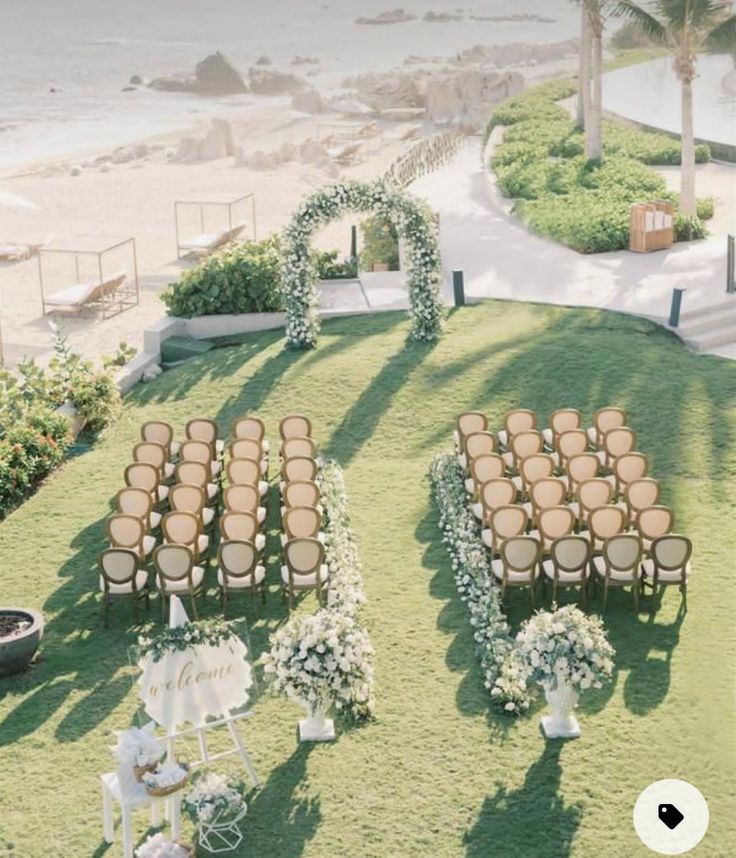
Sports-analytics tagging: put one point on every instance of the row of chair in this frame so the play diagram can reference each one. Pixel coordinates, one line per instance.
(536, 492)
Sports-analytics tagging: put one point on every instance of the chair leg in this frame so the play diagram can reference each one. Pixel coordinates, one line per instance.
(683, 588)
(193, 600)
(136, 608)
(105, 610)
(223, 602)
(605, 597)
(635, 590)
(163, 606)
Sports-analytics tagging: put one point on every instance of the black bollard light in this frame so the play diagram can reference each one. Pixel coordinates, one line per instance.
(458, 286)
(675, 307)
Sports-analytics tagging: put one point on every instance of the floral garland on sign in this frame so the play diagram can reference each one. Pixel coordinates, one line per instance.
(327, 658)
(211, 632)
(415, 224)
(504, 672)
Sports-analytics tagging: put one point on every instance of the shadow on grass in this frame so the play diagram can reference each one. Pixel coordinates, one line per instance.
(532, 821)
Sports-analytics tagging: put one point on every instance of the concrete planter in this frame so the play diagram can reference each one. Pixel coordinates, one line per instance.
(204, 327)
(17, 651)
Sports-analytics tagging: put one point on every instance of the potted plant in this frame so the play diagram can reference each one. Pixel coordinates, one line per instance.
(216, 806)
(20, 633)
(565, 652)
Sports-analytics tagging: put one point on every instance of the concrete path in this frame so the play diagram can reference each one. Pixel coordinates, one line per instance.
(502, 259)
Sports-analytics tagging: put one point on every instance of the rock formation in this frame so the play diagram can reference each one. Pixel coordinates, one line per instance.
(309, 101)
(395, 16)
(442, 18)
(214, 75)
(265, 81)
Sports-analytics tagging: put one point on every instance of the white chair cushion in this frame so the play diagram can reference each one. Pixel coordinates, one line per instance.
(664, 577)
(215, 468)
(265, 444)
(149, 543)
(304, 581)
(503, 437)
(601, 456)
(487, 536)
(212, 489)
(141, 579)
(155, 520)
(617, 575)
(182, 585)
(508, 459)
(264, 466)
(564, 577)
(72, 296)
(592, 435)
(242, 583)
(203, 542)
(260, 541)
(163, 493)
(263, 487)
(463, 459)
(470, 486)
(512, 577)
(528, 508)
(456, 437)
(519, 483)
(208, 513)
(168, 470)
(548, 436)
(478, 510)
(261, 514)
(175, 448)
(219, 446)
(575, 507)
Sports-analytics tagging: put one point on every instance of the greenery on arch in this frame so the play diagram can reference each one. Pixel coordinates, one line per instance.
(414, 223)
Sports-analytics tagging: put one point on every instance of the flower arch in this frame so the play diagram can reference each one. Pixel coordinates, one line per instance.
(414, 223)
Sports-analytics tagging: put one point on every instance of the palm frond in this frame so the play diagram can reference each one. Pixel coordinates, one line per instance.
(644, 20)
(723, 36)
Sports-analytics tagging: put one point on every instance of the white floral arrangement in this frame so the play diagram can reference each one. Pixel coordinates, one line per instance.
(565, 646)
(323, 660)
(415, 224)
(138, 746)
(214, 799)
(158, 846)
(504, 674)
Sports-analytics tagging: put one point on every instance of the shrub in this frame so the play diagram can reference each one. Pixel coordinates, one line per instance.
(240, 278)
(649, 147)
(705, 208)
(96, 397)
(689, 228)
(330, 268)
(380, 243)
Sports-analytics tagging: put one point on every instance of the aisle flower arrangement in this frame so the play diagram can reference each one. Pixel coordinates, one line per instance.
(415, 224)
(326, 659)
(214, 798)
(211, 632)
(504, 674)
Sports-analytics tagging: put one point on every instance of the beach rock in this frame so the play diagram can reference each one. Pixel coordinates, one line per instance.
(395, 16)
(175, 83)
(123, 155)
(387, 90)
(309, 101)
(141, 150)
(128, 89)
(75, 171)
(518, 53)
(218, 142)
(442, 18)
(216, 76)
(271, 82)
(299, 60)
(136, 80)
(263, 61)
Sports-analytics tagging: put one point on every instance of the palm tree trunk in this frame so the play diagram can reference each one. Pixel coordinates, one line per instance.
(687, 170)
(593, 133)
(584, 65)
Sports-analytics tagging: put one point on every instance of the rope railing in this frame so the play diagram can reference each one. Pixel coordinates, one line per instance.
(423, 157)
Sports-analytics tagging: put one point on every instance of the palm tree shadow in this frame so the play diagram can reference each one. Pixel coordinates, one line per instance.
(532, 821)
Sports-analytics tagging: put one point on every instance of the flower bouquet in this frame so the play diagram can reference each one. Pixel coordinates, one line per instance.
(159, 846)
(216, 806)
(565, 652)
(139, 748)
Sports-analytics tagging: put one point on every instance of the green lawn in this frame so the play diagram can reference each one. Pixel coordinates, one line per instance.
(438, 773)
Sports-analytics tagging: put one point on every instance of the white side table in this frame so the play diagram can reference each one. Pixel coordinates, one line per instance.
(111, 793)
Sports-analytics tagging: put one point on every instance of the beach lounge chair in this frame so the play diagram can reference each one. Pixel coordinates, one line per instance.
(102, 295)
(12, 252)
(209, 242)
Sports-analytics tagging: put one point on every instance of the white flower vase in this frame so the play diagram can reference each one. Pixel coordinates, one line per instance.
(221, 836)
(561, 724)
(316, 727)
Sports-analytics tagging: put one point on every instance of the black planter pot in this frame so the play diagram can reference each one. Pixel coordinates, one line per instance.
(17, 650)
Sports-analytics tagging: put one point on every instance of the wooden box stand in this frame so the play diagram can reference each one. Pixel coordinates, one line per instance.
(651, 226)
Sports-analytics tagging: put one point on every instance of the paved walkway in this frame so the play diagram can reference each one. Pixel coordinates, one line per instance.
(501, 259)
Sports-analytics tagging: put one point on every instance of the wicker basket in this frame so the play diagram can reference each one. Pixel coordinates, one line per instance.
(139, 771)
(162, 792)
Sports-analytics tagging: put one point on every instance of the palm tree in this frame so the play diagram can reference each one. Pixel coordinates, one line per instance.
(688, 26)
(590, 76)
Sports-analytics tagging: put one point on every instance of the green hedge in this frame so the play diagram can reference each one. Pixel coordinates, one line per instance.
(241, 278)
(585, 205)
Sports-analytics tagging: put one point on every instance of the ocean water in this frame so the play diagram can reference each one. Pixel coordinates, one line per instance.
(88, 49)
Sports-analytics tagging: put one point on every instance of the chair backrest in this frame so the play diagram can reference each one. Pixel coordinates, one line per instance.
(237, 558)
(520, 553)
(549, 491)
(243, 472)
(579, 468)
(654, 521)
(489, 466)
(196, 450)
(671, 552)
(622, 552)
(519, 420)
(563, 420)
(606, 521)
(246, 448)
(301, 493)
(526, 443)
(507, 521)
(241, 498)
(469, 422)
(304, 556)
(299, 445)
(594, 493)
(538, 466)
(572, 442)
(570, 553)
(641, 493)
(193, 473)
(629, 467)
(181, 528)
(152, 454)
(295, 426)
(302, 522)
(158, 432)
(118, 566)
(299, 468)
(555, 521)
(126, 531)
(239, 525)
(202, 429)
(479, 444)
(174, 562)
(249, 427)
(187, 497)
(143, 476)
(608, 418)
(495, 493)
(134, 501)
(619, 441)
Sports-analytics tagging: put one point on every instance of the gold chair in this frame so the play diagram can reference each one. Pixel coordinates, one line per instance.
(619, 564)
(304, 568)
(151, 453)
(298, 446)
(244, 498)
(591, 494)
(653, 522)
(640, 494)
(668, 564)
(249, 448)
(295, 426)
(302, 522)
(137, 501)
(523, 445)
(300, 493)
(579, 469)
(616, 442)
(239, 571)
(476, 444)
(188, 497)
(571, 442)
(503, 523)
(177, 575)
(120, 578)
(538, 466)
(144, 476)
(561, 421)
(626, 469)
(493, 493)
(128, 531)
(185, 528)
(299, 468)
(604, 420)
(544, 493)
(518, 420)
(251, 427)
(604, 523)
(468, 423)
(242, 526)
(196, 450)
(203, 429)
(246, 472)
(518, 564)
(160, 433)
(552, 523)
(568, 565)
(489, 466)
(197, 474)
